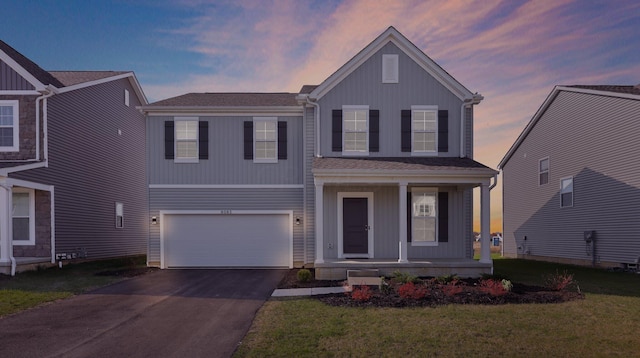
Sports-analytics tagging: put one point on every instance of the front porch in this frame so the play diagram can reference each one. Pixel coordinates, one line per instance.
(337, 269)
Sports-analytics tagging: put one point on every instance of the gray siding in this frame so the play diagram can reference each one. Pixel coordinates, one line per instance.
(594, 139)
(364, 87)
(11, 80)
(225, 199)
(91, 167)
(386, 225)
(309, 188)
(226, 163)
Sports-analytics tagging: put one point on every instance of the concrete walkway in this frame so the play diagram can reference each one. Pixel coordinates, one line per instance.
(298, 292)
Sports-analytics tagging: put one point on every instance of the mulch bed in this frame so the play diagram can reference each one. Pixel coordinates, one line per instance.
(471, 292)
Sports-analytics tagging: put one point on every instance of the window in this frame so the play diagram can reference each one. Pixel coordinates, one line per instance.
(265, 145)
(126, 98)
(424, 129)
(119, 216)
(543, 169)
(389, 68)
(9, 128)
(186, 139)
(23, 216)
(566, 192)
(355, 124)
(423, 216)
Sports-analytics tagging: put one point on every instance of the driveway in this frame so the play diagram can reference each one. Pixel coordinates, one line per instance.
(168, 313)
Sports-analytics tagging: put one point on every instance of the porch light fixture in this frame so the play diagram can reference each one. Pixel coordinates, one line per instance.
(154, 220)
(298, 220)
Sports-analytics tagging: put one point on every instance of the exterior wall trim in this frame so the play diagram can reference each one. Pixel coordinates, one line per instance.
(162, 214)
(21, 71)
(19, 93)
(132, 79)
(226, 186)
(5, 172)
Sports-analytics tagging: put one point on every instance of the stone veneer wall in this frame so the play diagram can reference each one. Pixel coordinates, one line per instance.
(27, 136)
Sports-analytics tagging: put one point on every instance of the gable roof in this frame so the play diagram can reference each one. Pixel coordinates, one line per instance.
(228, 99)
(627, 92)
(394, 36)
(31, 69)
(71, 78)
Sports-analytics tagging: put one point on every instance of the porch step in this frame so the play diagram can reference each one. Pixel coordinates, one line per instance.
(364, 277)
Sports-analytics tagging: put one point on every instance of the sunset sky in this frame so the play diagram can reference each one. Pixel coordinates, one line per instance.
(512, 52)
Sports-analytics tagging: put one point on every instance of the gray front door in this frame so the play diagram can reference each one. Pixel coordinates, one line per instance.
(355, 226)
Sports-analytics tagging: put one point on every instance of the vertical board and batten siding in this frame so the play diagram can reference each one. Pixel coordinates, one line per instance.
(309, 187)
(386, 226)
(226, 163)
(225, 199)
(415, 87)
(594, 139)
(10, 80)
(92, 167)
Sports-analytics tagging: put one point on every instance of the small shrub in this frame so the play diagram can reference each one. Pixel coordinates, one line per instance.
(493, 276)
(361, 293)
(493, 287)
(304, 275)
(385, 288)
(445, 279)
(560, 281)
(403, 277)
(507, 285)
(410, 291)
(452, 288)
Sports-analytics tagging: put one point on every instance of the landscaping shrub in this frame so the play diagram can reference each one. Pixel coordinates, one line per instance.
(361, 293)
(403, 277)
(445, 279)
(559, 281)
(493, 287)
(452, 288)
(304, 275)
(410, 290)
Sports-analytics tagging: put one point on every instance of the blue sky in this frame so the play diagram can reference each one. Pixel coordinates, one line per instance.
(512, 52)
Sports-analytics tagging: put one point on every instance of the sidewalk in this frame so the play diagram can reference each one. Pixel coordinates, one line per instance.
(299, 292)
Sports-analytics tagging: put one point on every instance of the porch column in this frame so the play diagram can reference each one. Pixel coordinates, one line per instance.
(485, 222)
(402, 242)
(5, 221)
(319, 222)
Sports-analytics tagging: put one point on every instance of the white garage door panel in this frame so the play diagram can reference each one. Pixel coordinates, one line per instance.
(204, 240)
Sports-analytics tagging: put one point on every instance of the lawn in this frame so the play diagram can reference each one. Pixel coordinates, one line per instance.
(29, 289)
(605, 323)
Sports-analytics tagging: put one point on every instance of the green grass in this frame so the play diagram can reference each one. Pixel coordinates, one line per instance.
(605, 323)
(29, 289)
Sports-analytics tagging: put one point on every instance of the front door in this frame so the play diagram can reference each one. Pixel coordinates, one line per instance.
(355, 227)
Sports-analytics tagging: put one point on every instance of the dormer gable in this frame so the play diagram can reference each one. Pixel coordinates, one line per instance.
(390, 63)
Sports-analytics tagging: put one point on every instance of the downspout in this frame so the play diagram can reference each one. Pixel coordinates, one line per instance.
(317, 125)
(9, 238)
(475, 99)
(45, 131)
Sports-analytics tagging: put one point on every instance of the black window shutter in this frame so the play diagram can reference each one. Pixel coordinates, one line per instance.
(443, 130)
(406, 130)
(203, 140)
(443, 216)
(336, 130)
(282, 140)
(374, 130)
(409, 216)
(248, 140)
(168, 140)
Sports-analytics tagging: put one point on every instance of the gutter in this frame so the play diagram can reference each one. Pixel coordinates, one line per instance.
(317, 125)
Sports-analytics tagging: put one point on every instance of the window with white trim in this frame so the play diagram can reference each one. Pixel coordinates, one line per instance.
(543, 171)
(390, 69)
(423, 216)
(119, 216)
(9, 126)
(566, 192)
(23, 216)
(265, 140)
(424, 129)
(186, 139)
(355, 130)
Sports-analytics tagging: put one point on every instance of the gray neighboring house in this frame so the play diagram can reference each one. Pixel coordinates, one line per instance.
(72, 164)
(371, 169)
(570, 193)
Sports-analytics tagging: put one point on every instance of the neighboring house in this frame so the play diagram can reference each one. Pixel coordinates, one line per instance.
(72, 170)
(372, 169)
(571, 181)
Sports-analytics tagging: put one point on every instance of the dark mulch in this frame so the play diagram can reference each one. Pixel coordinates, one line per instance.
(471, 293)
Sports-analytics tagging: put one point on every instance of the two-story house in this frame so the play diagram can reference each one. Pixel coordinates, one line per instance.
(72, 171)
(371, 169)
(570, 193)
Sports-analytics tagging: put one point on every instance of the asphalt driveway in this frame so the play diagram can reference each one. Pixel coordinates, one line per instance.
(168, 313)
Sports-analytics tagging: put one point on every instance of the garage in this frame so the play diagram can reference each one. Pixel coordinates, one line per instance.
(226, 239)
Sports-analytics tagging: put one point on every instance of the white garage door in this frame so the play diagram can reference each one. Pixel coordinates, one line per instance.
(240, 240)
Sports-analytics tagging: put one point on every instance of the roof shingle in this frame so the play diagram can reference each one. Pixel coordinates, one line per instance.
(229, 99)
(70, 78)
(635, 90)
(36, 71)
(397, 163)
